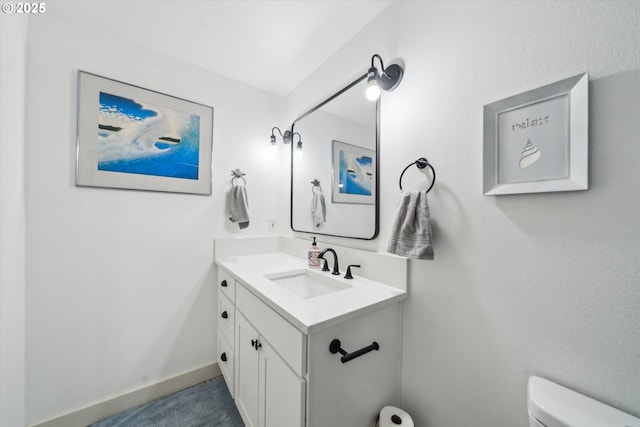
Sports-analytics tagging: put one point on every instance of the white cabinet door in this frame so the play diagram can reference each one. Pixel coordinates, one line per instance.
(268, 393)
(282, 392)
(247, 374)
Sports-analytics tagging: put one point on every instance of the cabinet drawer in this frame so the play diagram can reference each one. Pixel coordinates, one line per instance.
(227, 284)
(288, 341)
(226, 316)
(226, 361)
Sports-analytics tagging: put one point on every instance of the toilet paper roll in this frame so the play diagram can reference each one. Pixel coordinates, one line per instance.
(390, 416)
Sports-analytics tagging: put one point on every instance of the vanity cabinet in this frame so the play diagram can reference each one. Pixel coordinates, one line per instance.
(267, 390)
(280, 376)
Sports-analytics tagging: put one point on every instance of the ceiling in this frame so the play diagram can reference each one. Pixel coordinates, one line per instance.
(272, 45)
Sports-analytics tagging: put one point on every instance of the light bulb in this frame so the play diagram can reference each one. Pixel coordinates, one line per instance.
(373, 92)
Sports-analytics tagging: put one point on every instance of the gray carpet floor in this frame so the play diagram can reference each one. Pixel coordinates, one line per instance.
(208, 404)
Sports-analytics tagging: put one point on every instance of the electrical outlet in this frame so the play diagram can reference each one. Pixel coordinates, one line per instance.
(272, 225)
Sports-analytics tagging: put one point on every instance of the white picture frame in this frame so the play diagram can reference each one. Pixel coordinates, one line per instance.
(537, 141)
(354, 174)
(129, 137)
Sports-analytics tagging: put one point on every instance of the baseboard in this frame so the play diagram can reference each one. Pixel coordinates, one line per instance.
(101, 410)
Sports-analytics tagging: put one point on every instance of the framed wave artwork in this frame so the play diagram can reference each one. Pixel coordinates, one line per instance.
(354, 171)
(134, 138)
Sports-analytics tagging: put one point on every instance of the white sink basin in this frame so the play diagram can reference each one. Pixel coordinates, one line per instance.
(307, 283)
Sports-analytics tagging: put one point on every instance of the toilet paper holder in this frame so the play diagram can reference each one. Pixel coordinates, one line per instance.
(336, 347)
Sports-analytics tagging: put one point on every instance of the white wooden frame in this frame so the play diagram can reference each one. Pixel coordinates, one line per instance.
(537, 141)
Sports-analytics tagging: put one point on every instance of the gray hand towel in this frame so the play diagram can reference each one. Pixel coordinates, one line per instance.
(238, 205)
(411, 231)
(318, 209)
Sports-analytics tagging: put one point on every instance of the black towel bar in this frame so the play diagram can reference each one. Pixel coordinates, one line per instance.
(336, 347)
(421, 163)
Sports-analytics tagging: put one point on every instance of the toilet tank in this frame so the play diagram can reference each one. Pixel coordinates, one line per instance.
(551, 405)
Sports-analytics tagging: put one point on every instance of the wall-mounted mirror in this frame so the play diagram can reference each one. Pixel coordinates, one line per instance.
(338, 166)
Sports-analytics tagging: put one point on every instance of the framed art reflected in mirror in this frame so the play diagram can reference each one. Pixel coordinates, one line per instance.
(354, 174)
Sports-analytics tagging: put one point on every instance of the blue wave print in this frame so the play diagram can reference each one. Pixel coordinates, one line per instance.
(126, 106)
(355, 174)
(351, 186)
(178, 160)
(365, 161)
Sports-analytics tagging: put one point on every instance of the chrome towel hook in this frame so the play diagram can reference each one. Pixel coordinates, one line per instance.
(421, 163)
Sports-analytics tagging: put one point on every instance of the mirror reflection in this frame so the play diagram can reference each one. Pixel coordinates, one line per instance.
(334, 179)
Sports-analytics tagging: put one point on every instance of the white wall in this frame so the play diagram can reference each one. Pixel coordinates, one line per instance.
(120, 290)
(534, 284)
(13, 40)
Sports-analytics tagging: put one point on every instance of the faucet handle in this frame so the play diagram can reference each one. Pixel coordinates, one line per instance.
(325, 267)
(348, 275)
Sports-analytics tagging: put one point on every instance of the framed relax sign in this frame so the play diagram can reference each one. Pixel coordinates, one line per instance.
(537, 141)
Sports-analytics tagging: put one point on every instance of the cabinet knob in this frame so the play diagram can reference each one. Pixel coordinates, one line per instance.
(225, 315)
(256, 344)
(223, 357)
(223, 283)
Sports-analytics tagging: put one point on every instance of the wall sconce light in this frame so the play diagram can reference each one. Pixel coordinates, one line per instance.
(299, 152)
(286, 137)
(388, 79)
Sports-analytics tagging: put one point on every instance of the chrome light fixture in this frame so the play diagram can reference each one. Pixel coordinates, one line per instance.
(388, 79)
(298, 145)
(286, 136)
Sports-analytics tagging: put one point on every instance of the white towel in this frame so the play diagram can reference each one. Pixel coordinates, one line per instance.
(238, 205)
(318, 209)
(411, 231)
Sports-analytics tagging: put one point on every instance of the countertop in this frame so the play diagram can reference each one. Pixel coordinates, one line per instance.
(312, 314)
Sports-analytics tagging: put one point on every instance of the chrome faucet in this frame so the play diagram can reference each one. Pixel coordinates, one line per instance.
(336, 270)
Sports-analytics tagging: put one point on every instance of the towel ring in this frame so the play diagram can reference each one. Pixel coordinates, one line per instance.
(421, 163)
(237, 173)
(316, 185)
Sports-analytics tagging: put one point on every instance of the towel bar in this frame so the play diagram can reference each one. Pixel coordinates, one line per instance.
(336, 347)
(421, 163)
